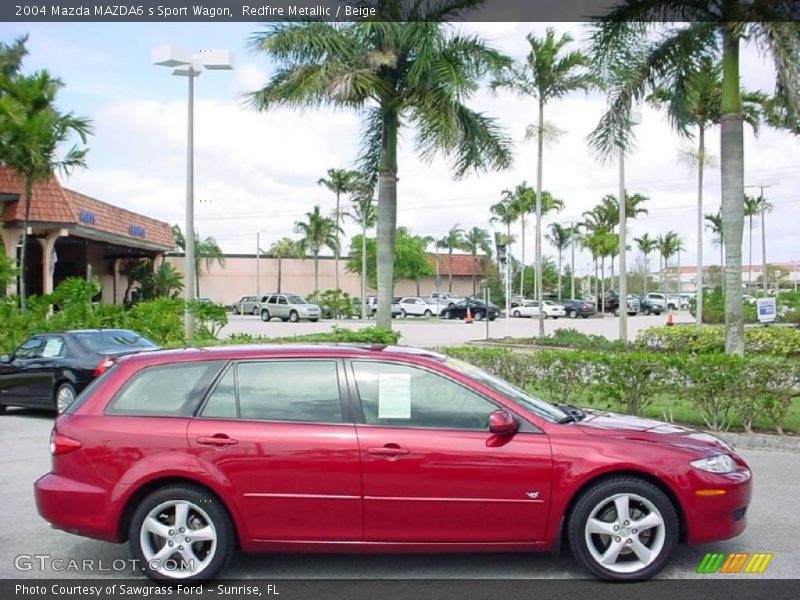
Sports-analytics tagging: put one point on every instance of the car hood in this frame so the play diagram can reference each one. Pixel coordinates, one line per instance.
(602, 423)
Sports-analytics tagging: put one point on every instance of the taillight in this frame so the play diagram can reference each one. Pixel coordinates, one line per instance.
(102, 367)
(62, 444)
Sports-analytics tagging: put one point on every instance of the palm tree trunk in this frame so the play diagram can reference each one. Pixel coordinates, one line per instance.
(701, 157)
(450, 271)
(539, 166)
(23, 253)
(750, 251)
(732, 168)
(387, 216)
(560, 253)
(474, 287)
(522, 254)
(646, 275)
(197, 279)
(763, 244)
(363, 272)
(316, 271)
(664, 290)
(623, 271)
(572, 263)
(280, 260)
(336, 250)
(603, 285)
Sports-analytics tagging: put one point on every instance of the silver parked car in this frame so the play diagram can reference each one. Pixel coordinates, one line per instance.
(417, 307)
(247, 305)
(288, 307)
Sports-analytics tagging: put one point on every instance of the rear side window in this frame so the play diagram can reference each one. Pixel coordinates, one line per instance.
(305, 391)
(166, 390)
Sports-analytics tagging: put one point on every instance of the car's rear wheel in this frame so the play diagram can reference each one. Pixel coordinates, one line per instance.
(585, 316)
(623, 529)
(255, 310)
(403, 313)
(478, 315)
(515, 313)
(573, 314)
(647, 312)
(265, 316)
(428, 314)
(181, 532)
(294, 317)
(64, 396)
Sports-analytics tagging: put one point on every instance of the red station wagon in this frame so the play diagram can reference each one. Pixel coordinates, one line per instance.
(190, 454)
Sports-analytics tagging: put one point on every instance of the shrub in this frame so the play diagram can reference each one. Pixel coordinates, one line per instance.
(572, 338)
(714, 308)
(210, 318)
(773, 340)
(160, 320)
(628, 380)
(365, 335)
(333, 303)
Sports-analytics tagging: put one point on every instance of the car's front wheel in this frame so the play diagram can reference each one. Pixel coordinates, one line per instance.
(265, 316)
(623, 529)
(255, 311)
(573, 314)
(64, 396)
(181, 532)
(428, 314)
(294, 317)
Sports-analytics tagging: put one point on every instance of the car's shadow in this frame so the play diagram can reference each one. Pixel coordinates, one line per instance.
(29, 413)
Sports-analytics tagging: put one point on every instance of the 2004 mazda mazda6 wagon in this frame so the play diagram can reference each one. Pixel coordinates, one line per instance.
(190, 454)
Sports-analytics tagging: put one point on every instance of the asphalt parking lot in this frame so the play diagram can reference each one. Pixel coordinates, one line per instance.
(417, 331)
(773, 527)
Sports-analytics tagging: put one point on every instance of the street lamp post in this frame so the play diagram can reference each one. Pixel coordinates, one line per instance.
(185, 64)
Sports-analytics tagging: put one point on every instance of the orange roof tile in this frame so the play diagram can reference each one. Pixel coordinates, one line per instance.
(52, 203)
(460, 264)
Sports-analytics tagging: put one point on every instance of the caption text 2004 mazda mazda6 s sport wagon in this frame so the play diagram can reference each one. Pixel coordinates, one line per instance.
(190, 454)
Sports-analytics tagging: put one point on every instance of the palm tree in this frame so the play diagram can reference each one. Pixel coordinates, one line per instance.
(549, 73)
(318, 232)
(339, 181)
(669, 244)
(167, 281)
(477, 240)
(559, 237)
(764, 206)
(695, 104)
(646, 246)
(403, 67)
(205, 250)
(364, 214)
(668, 32)
(33, 134)
(453, 240)
(283, 248)
(523, 200)
(714, 225)
(751, 209)
(505, 213)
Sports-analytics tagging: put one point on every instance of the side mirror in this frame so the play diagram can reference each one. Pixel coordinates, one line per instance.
(501, 422)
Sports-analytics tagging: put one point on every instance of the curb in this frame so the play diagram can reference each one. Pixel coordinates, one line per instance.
(761, 441)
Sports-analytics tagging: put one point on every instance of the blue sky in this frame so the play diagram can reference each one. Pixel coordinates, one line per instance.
(258, 172)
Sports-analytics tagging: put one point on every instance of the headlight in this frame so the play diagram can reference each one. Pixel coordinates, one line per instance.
(721, 463)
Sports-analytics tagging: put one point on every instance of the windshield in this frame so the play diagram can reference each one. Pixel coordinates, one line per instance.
(113, 339)
(296, 300)
(537, 406)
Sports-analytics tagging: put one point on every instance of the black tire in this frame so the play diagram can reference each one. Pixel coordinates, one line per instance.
(403, 313)
(600, 494)
(616, 312)
(515, 314)
(65, 388)
(585, 316)
(448, 314)
(573, 314)
(265, 316)
(3, 409)
(294, 317)
(478, 316)
(647, 312)
(216, 514)
(428, 314)
(313, 320)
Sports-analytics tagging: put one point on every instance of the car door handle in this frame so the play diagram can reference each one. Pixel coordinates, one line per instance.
(219, 439)
(389, 450)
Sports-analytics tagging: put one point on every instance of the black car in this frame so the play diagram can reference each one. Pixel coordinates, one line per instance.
(478, 310)
(579, 308)
(51, 369)
(647, 307)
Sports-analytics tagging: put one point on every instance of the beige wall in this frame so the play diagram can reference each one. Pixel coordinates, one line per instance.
(238, 278)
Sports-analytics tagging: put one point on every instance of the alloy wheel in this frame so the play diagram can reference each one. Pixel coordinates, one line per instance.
(65, 395)
(178, 539)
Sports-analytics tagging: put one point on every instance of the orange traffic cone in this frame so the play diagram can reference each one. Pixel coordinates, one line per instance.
(468, 320)
(669, 320)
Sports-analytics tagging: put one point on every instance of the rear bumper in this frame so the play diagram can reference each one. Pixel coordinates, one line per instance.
(75, 507)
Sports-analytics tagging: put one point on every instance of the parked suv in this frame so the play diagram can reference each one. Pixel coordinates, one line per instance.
(288, 307)
(611, 303)
(247, 305)
(190, 454)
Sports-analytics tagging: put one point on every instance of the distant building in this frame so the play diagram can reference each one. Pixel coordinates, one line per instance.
(750, 276)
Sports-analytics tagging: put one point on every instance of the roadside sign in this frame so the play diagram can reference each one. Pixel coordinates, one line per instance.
(766, 310)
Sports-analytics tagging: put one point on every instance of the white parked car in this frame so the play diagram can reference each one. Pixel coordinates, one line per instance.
(416, 307)
(446, 299)
(552, 310)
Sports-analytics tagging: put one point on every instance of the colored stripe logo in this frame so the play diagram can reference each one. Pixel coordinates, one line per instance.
(734, 563)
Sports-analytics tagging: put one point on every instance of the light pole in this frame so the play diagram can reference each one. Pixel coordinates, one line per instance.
(185, 64)
(763, 234)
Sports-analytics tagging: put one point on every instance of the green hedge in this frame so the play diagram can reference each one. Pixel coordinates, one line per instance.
(718, 387)
(772, 340)
(341, 335)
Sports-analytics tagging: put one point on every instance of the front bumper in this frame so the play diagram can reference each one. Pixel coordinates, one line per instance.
(717, 509)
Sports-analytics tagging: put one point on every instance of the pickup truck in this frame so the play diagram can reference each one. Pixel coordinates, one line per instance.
(611, 303)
